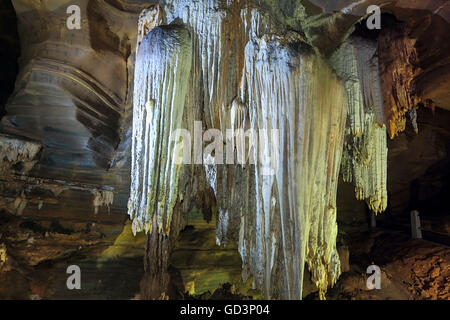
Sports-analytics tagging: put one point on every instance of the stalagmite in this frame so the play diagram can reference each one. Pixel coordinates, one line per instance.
(365, 149)
(413, 117)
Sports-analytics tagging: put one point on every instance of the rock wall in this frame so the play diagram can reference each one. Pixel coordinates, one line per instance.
(72, 99)
(10, 53)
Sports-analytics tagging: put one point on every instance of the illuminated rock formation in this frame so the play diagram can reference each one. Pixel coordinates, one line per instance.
(365, 149)
(242, 65)
(399, 72)
(161, 81)
(282, 219)
(295, 216)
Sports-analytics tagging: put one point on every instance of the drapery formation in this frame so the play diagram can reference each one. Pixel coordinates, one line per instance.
(365, 149)
(161, 82)
(245, 73)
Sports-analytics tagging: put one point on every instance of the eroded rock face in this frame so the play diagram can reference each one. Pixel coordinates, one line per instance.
(398, 71)
(418, 165)
(420, 273)
(288, 217)
(72, 90)
(72, 99)
(417, 73)
(73, 94)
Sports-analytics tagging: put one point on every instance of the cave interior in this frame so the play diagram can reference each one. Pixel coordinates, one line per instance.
(88, 175)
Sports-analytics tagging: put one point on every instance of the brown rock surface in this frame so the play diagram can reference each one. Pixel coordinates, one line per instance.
(410, 269)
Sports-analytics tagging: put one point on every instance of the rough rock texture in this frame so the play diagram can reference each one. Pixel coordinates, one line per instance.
(398, 71)
(71, 98)
(410, 269)
(414, 66)
(10, 50)
(419, 167)
(72, 94)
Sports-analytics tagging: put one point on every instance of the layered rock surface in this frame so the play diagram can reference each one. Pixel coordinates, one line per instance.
(71, 99)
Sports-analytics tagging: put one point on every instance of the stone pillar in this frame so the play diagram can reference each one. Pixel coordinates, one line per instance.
(373, 219)
(416, 230)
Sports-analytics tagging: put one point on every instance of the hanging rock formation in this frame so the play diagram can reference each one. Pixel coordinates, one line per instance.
(365, 149)
(282, 212)
(161, 81)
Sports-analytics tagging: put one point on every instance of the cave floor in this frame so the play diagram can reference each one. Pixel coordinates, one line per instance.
(410, 269)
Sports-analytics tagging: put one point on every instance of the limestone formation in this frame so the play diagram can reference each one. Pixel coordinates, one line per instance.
(284, 220)
(365, 149)
(92, 126)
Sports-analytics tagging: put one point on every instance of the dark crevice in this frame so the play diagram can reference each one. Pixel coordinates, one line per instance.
(9, 52)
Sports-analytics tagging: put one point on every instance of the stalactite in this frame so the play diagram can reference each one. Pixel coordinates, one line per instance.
(365, 149)
(102, 198)
(161, 81)
(282, 213)
(295, 218)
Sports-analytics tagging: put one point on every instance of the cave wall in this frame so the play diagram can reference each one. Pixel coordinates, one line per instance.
(418, 165)
(72, 101)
